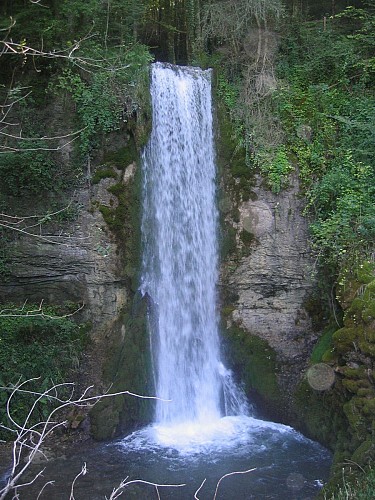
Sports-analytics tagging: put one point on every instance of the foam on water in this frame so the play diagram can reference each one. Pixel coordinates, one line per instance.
(229, 434)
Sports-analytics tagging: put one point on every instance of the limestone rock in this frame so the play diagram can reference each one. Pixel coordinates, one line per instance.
(83, 265)
(274, 280)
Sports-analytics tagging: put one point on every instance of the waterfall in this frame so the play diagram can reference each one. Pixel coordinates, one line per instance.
(180, 251)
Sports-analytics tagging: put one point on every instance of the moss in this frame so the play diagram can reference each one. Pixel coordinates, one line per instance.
(366, 347)
(103, 173)
(344, 339)
(247, 237)
(255, 362)
(352, 410)
(365, 272)
(359, 387)
(122, 157)
(351, 385)
(324, 344)
(227, 310)
(368, 311)
(128, 365)
(228, 243)
(128, 368)
(329, 356)
(322, 415)
(369, 406)
(124, 222)
(361, 454)
(365, 392)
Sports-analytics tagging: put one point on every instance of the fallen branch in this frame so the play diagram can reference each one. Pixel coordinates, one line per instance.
(30, 437)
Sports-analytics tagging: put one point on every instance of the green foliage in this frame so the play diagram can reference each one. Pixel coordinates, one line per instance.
(36, 347)
(357, 485)
(227, 91)
(323, 345)
(103, 173)
(275, 169)
(344, 209)
(28, 170)
(325, 90)
(108, 97)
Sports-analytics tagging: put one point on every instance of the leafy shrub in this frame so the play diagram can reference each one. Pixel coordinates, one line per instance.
(276, 169)
(28, 170)
(36, 347)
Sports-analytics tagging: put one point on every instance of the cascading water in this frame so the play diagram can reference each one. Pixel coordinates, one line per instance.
(204, 432)
(181, 252)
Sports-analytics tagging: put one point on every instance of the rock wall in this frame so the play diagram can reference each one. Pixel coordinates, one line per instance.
(77, 262)
(90, 261)
(269, 278)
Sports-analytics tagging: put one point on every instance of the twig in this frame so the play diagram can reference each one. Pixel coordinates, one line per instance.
(200, 487)
(230, 474)
(82, 473)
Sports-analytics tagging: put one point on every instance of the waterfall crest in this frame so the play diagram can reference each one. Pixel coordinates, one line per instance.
(180, 256)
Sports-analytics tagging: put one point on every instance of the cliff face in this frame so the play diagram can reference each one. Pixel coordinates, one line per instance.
(90, 261)
(274, 281)
(82, 266)
(270, 280)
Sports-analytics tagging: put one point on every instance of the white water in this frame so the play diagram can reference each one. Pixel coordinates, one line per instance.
(180, 260)
(205, 430)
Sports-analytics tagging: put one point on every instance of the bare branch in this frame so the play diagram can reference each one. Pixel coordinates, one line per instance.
(44, 487)
(36, 313)
(230, 474)
(82, 473)
(30, 437)
(12, 23)
(117, 492)
(13, 149)
(85, 63)
(44, 138)
(198, 490)
(28, 222)
(37, 2)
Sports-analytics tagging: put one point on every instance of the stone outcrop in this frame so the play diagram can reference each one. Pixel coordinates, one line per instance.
(77, 262)
(270, 277)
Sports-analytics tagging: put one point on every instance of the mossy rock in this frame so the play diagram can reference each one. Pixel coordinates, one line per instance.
(344, 339)
(364, 453)
(367, 347)
(369, 405)
(357, 386)
(228, 243)
(369, 333)
(365, 392)
(354, 312)
(122, 157)
(103, 172)
(368, 312)
(351, 386)
(227, 310)
(354, 373)
(247, 237)
(356, 419)
(128, 368)
(365, 272)
(322, 415)
(255, 361)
